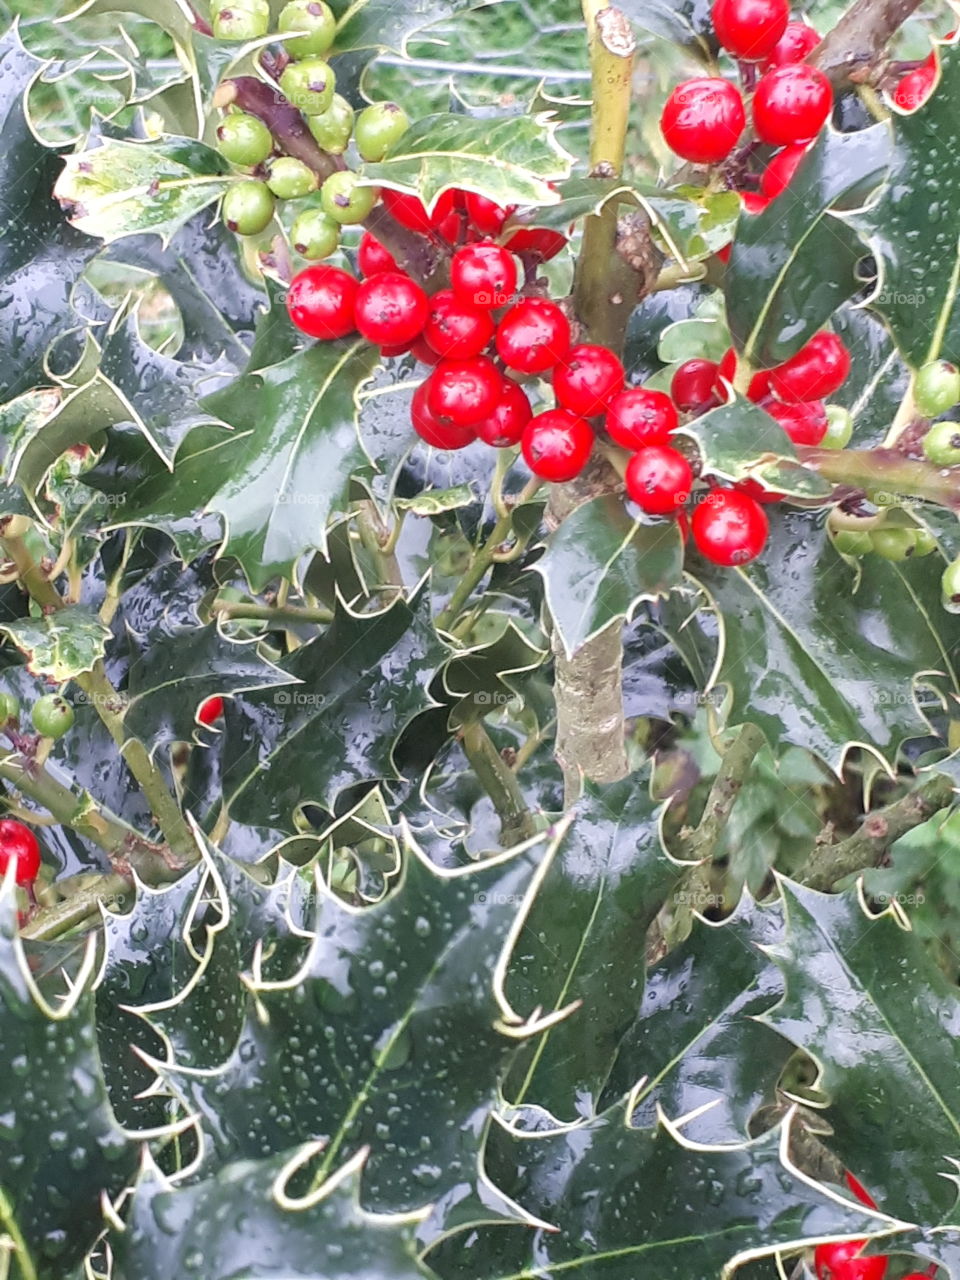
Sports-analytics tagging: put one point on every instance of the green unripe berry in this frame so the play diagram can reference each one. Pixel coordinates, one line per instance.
(52, 715)
(894, 543)
(950, 587)
(345, 201)
(853, 542)
(248, 208)
(309, 85)
(9, 708)
(314, 235)
(245, 140)
(244, 20)
(291, 179)
(839, 427)
(315, 20)
(924, 543)
(941, 444)
(379, 127)
(936, 388)
(333, 129)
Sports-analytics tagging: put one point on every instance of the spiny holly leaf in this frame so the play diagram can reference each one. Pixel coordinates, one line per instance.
(600, 563)
(510, 159)
(392, 1033)
(41, 256)
(490, 675)
(696, 1042)
(176, 668)
(914, 226)
(291, 469)
(168, 14)
(887, 1054)
(793, 264)
(878, 378)
(361, 682)
(123, 188)
(686, 23)
(381, 24)
(583, 940)
(818, 658)
(739, 440)
(247, 1221)
(63, 1146)
(60, 645)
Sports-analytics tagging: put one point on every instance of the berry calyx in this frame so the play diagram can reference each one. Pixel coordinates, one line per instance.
(379, 127)
(936, 388)
(390, 309)
(795, 45)
(430, 429)
(457, 329)
(505, 425)
(702, 120)
(247, 208)
(246, 20)
(373, 258)
(638, 417)
(587, 380)
(779, 173)
(729, 527)
(19, 845)
(291, 179)
(309, 85)
(486, 216)
(484, 274)
(840, 1262)
(817, 370)
(315, 24)
(941, 444)
(344, 200)
(321, 301)
(692, 385)
(464, 392)
(804, 423)
(314, 235)
(533, 336)
(750, 29)
(52, 716)
(791, 104)
(211, 709)
(333, 128)
(556, 445)
(915, 88)
(658, 480)
(244, 139)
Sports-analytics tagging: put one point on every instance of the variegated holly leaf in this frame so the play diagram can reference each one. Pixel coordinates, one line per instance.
(510, 159)
(739, 440)
(600, 563)
(60, 645)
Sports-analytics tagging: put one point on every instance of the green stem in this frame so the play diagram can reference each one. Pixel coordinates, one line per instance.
(287, 614)
(77, 908)
(500, 783)
(735, 765)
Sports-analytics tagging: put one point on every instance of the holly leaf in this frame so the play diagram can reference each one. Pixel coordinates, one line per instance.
(381, 24)
(793, 264)
(878, 379)
(60, 645)
(739, 440)
(686, 23)
(122, 188)
(510, 159)
(600, 563)
(292, 463)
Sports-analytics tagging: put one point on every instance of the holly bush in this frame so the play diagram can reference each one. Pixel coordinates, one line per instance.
(480, 614)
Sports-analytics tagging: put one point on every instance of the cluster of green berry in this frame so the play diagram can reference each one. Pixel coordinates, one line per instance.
(51, 715)
(308, 82)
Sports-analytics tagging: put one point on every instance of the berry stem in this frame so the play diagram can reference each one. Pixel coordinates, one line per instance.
(78, 907)
(281, 615)
(859, 37)
(282, 118)
(500, 783)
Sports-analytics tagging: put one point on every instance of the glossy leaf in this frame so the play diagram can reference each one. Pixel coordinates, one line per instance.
(739, 440)
(60, 645)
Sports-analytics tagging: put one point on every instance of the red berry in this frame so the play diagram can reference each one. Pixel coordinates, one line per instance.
(446, 220)
(791, 104)
(702, 120)
(778, 174)
(18, 842)
(915, 87)
(586, 380)
(759, 494)
(840, 1262)
(750, 29)
(542, 243)
(484, 275)
(754, 202)
(464, 392)
(804, 423)
(817, 370)
(692, 386)
(556, 445)
(486, 215)
(372, 257)
(390, 309)
(505, 425)
(408, 210)
(321, 301)
(797, 41)
(729, 527)
(859, 1190)
(421, 351)
(533, 336)
(638, 417)
(456, 329)
(211, 709)
(429, 428)
(658, 480)
(727, 371)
